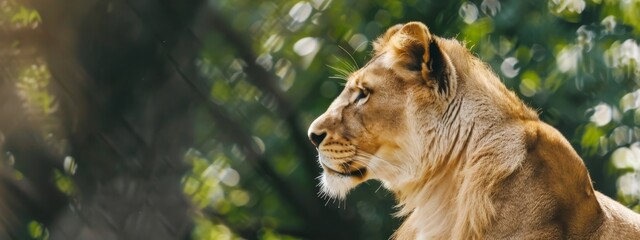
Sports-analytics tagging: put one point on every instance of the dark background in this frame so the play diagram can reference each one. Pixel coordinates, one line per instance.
(186, 119)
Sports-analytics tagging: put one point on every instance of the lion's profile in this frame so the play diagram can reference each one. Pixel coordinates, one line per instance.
(464, 156)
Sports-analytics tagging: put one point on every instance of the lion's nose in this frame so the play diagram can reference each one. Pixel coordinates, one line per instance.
(316, 139)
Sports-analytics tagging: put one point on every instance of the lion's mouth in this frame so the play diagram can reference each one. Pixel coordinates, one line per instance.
(360, 172)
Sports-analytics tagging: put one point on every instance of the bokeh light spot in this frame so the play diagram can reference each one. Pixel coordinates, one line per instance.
(508, 67)
(230, 177)
(305, 46)
(469, 12)
(624, 158)
(358, 42)
(629, 184)
(630, 101)
(301, 11)
(70, 165)
(490, 7)
(602, 114)
(573, 6)
(239, 197)
(568, 57)
(609, 24)
(265, 60)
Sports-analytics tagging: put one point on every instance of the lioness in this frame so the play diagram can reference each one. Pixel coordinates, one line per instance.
(464, 156)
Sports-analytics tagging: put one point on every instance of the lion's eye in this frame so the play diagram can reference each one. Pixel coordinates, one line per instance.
(362, 95)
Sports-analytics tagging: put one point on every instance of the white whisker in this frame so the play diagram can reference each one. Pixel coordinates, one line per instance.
(351, 56)
(376, 191)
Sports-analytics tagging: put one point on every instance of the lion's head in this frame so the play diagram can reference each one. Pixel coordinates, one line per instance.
(374, 129)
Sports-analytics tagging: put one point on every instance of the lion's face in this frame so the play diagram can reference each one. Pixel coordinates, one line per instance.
(364, 121)
(370, 131)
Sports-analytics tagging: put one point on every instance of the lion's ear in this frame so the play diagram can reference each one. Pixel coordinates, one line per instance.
(418, 50)
(439, 68)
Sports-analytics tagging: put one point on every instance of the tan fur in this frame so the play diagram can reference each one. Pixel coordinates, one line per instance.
(464, 156)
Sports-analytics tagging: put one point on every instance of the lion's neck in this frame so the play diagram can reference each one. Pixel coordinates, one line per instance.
(451, 199)
(429, 209)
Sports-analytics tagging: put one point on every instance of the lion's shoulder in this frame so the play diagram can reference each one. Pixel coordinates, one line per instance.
(551, 195)
(618, 220)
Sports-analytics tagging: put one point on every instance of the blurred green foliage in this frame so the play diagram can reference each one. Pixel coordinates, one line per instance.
(16, 15)
(576, 61)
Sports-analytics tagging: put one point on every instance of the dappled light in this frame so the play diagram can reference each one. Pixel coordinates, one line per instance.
(187, 119)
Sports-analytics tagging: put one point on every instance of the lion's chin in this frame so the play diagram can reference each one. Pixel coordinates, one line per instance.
(337, 186)
(336, 183)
